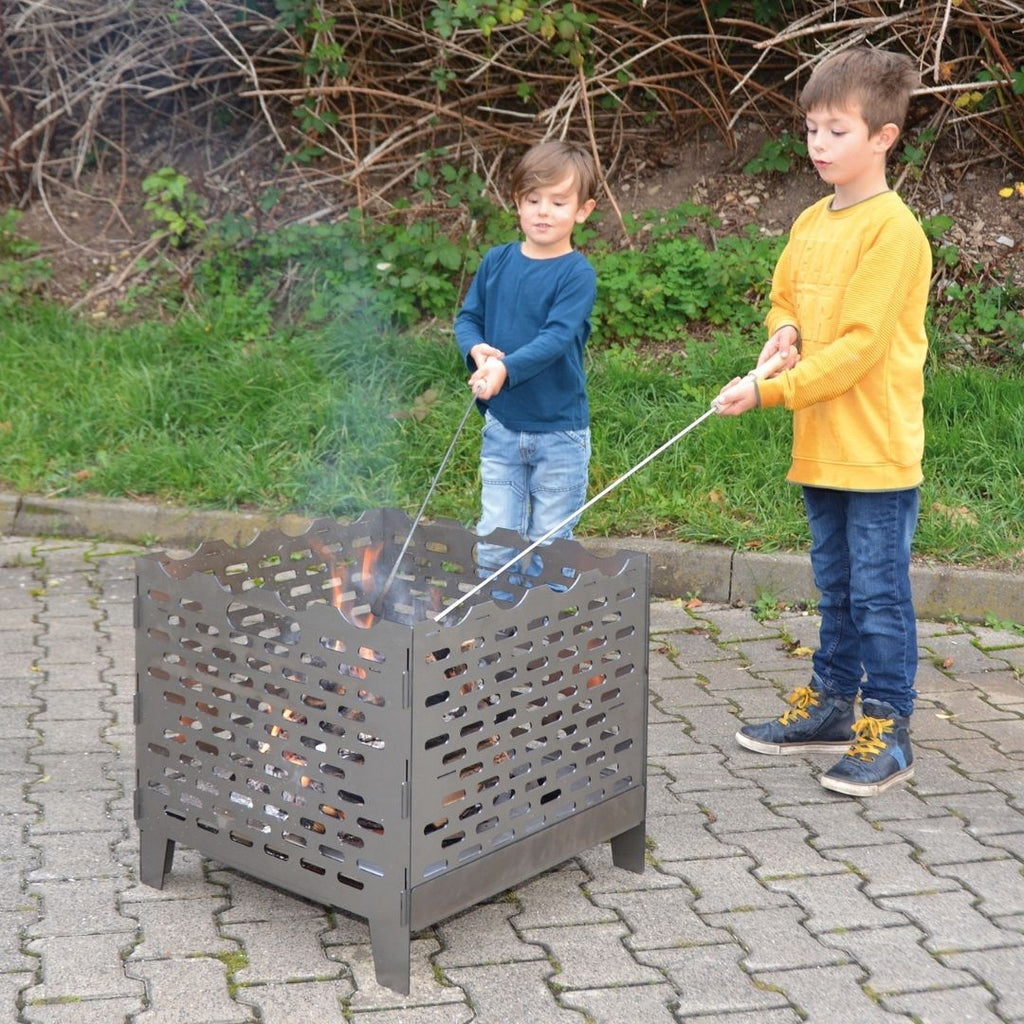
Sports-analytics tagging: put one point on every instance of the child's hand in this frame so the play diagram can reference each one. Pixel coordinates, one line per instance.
(481, 352)
(785, 343)
(739, 395)
(489, 379)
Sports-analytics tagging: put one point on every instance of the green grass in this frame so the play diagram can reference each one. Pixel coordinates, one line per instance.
(339, 419)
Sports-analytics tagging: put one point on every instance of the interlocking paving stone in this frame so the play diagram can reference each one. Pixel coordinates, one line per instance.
(684, 837)
(710, 980)
(512, 992)
(661, 801)
(941, 840)
(901, 803)
(82, 967)
(71, 705)
(178, 988)
(782, 853)
(556, 898)
(651, 1004)
(948, 1006)
(737, 810)
(979, 755)
(681, 694)
(952, 923)
(728, 677)
(1003, 689)
(785, 781)
(698, 772)
(998, 883)
(74, 736)
(1000, 970)
(1008, 735)
(62, 810)
(775, 939)
(483, 935)
(834, 902)
(659, 918)
(86, 906)
(590, 955)
(895, 960)
(837, 823)
(282, 951)
(932, 725)
(891, 870)
(667, 738)
(300, 1001)
(718, 725)
(179, 928)
(987, 814)
(74, 855)
(769, 655)
(832, 994)
(727, 884)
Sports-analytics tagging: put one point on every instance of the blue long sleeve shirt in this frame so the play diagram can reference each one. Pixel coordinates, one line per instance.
(538, 313)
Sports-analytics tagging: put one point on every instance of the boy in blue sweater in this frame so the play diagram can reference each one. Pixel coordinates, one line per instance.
(522, 330)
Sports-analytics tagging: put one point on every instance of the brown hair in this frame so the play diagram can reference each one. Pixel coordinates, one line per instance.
(878, 81)
(548, 163)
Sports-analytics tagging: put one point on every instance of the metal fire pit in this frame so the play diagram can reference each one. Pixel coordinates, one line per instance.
(396, 767)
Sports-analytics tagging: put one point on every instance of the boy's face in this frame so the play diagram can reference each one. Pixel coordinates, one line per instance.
(843, 151)
(547, 215)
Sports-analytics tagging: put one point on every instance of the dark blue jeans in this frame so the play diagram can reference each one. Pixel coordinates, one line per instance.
(860, 555)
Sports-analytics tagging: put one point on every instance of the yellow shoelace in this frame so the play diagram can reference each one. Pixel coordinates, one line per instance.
(802, 698)
(867, 740)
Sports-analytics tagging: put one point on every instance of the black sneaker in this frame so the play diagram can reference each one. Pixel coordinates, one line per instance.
(879, 757)
(819, 721)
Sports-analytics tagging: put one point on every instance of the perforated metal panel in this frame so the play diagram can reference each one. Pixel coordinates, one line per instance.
(364, 761)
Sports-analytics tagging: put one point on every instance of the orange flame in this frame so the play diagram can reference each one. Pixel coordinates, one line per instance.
(353, 594)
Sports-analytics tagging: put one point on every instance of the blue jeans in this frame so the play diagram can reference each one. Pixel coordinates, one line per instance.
(530, 482)
(860, 555)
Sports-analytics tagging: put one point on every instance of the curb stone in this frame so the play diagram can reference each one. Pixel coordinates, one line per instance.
(712, 572)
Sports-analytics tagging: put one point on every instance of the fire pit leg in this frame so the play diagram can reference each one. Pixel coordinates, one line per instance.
(391, 959)
(629, 849)
(156, 855)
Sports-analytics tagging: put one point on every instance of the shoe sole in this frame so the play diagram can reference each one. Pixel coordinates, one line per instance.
(865, 788)
(819, 747)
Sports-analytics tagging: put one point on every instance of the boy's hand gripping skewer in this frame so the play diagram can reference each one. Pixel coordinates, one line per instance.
(767, 369)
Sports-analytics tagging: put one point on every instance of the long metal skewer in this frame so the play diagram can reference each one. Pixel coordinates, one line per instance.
(375, 608)
(766, 370)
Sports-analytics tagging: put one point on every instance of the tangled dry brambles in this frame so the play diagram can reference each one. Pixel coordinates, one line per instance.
(353, 94)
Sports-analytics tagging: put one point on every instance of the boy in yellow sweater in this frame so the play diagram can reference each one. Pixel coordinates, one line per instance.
(847, 312)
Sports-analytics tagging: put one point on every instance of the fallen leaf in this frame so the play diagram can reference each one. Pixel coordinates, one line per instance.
(694, 602)
(961, 514)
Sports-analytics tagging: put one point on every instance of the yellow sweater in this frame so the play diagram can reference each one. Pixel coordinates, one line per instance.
(854, 283)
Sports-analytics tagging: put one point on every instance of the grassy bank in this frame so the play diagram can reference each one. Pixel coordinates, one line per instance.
(336, 419)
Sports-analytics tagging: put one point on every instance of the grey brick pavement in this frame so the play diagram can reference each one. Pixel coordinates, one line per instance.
(766, 900)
